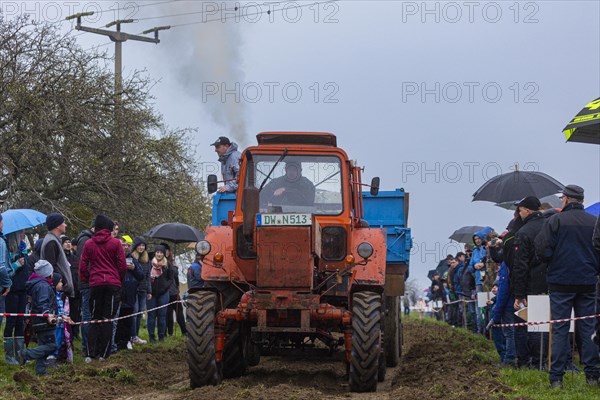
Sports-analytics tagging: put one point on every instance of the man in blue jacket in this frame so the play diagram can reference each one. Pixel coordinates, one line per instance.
(565, 242)
(229, 157)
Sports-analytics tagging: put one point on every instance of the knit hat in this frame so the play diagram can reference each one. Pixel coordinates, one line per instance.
(103, 222)
(54, 220)
(160, 247)
(43, 268)
(573, 191)
(56, 278)
(139, 240)
(64, 238)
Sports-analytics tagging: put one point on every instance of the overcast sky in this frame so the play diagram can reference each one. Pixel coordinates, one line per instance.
(434, 97)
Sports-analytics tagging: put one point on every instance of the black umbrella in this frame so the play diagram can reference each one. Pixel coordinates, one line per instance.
(553, 200)
(585, 127)
(175, 232)
(465, 234)
(516, 185)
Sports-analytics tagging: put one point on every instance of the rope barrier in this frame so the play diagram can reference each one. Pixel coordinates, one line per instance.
(95, 321)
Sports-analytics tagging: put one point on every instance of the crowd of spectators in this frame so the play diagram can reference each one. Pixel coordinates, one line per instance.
(543, 251)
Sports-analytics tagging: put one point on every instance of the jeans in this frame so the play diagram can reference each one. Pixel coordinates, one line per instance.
(508, 317)
(561, 305)
(104, 302)
(113, 344)
(140, 305)
(521, 344)
(46, 346)
(15, 303)
(86, 315)
(157, 317)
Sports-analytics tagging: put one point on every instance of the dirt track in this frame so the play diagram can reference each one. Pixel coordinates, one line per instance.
(439, 362)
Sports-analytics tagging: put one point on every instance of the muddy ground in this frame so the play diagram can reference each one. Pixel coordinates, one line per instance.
(439, 362)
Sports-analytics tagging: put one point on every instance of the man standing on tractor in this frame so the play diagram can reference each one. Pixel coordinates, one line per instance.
(229, 157)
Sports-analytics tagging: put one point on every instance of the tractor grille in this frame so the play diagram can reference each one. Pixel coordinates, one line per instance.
(284, 257)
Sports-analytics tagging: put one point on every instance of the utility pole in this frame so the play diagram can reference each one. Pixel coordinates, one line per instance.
(118, 37)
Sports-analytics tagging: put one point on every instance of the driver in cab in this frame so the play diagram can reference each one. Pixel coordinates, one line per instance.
(291, 189)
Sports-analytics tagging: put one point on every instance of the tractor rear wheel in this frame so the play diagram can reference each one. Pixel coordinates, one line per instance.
(200, 325)
(392, 339)
(366, 341)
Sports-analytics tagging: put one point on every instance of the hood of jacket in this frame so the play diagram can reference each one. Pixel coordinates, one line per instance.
(230, 150)
(482, 234)
(34, 279)
(102, 236)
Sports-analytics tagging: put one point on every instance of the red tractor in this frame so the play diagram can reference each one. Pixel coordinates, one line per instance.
(294, 261)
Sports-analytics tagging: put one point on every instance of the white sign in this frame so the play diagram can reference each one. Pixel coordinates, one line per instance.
(283, 219)
(538, 309)
(483, 297)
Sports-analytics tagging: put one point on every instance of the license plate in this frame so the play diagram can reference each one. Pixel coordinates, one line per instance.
(283, 219)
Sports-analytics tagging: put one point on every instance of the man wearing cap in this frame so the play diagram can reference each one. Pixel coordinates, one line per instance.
(229, 157)
(529, 276)
(52, 250)
(565, 243)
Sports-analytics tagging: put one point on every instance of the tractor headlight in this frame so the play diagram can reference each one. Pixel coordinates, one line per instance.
(365, 250)
(203, 247)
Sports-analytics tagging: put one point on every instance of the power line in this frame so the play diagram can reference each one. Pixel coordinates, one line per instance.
(202, 12)
(221, 19)
(256, 13)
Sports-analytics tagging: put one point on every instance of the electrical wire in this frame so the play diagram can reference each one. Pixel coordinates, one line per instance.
(222, 19)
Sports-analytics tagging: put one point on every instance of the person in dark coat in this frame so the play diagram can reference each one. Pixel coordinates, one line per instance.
(43, 301)
(134, 275)
(141, 259)
(161, 278)
(566, 244)
(194, 273)
(529, 272)
(174, 308)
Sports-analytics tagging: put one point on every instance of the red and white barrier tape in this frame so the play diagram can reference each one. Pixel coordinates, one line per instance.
(95, 321)
(555, 321)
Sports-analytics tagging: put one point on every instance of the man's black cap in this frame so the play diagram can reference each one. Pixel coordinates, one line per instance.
(530, 202)
(573, 191)
(221, 141)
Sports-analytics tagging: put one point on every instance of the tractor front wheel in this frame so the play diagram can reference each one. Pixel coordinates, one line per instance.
(366, 342)
(200, 326)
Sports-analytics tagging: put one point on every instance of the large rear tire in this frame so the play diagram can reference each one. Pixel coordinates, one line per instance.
(200, 325)
(392, 340)
(366, 341)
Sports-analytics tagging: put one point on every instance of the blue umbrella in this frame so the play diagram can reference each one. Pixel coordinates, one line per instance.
(16, 220)
(594, 209)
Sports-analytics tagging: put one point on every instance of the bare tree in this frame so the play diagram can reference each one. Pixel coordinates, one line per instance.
(67, 146)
